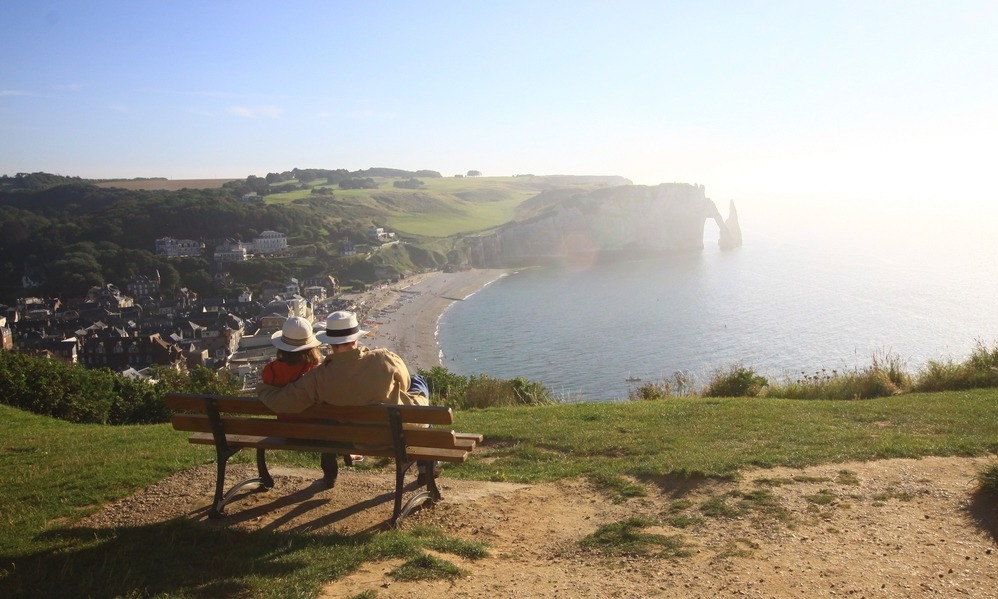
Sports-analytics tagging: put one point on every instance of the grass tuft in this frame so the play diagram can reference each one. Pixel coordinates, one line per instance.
(987, 479)
(434, 538)
(822, 497)
(979, 370)
(760, 502)
(617, 488)
(426, 567)
(626, 538)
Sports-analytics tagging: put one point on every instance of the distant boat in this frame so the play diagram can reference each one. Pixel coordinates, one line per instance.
(632, 379)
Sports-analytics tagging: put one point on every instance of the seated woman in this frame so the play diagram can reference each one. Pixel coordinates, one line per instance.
(297, 353)
(349, 376)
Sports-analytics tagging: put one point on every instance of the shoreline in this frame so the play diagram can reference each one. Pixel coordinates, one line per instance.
(404, 317)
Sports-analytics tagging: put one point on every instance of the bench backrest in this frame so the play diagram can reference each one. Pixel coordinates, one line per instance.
(350, 425)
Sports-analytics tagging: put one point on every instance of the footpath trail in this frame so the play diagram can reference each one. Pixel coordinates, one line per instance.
(891, 528)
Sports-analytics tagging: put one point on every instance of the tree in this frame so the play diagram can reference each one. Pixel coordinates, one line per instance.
(358, 183)
(411, 183)
(474, 173)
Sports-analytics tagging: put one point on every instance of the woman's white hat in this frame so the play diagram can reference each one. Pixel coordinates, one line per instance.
(295, 336)
(341, 327)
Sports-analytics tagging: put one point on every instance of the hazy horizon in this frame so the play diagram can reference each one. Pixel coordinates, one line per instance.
(861, 104)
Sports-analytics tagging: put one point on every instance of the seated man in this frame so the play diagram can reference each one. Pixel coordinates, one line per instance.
(350, 375)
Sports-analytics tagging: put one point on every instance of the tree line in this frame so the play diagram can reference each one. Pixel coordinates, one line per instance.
(75, 236)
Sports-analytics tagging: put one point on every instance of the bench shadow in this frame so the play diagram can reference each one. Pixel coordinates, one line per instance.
(678, 485)
(179, 557)
(296, 508)
(280, 501)
(983, 512)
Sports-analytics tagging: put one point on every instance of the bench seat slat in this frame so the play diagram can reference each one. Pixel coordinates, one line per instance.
(342, 433)
(412, 452)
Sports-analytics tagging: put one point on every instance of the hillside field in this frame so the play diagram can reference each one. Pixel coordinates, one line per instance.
(165, 184)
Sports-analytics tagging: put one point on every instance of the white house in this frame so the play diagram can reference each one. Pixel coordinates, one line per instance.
(270, 242)
(232, 251)
(177, 248)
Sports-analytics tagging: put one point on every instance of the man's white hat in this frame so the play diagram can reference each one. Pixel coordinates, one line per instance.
(341, 327)
(295, 336)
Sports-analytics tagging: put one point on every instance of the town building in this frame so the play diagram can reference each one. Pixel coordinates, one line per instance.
(178, 248)
(231, 251)
(270, 242)
(144, 286)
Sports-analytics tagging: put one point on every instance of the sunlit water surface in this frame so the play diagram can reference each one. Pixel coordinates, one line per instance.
(781, 308)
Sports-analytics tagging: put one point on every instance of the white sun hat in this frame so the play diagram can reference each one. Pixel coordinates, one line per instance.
(341, 327)
(295, 336)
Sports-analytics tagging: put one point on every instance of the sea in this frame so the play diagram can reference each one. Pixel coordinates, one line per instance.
(789, 303)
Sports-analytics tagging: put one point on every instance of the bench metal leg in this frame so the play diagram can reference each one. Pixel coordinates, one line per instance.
(400, 470)
(427, 477)
(261, 468)
(222, 497)
(222, 455)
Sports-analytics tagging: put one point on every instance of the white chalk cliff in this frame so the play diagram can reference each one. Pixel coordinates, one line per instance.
(618, 220)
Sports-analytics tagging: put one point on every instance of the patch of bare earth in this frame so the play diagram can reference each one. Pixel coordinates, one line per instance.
(892, 528)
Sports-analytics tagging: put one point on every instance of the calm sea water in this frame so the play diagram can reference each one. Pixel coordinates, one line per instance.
(780, 308)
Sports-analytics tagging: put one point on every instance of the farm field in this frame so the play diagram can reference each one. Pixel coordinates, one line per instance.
(165, 184)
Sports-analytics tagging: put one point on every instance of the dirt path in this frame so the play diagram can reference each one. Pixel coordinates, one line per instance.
(894, 528)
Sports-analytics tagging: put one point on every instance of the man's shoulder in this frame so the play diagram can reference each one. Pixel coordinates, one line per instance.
(378, 351)
(381, 354)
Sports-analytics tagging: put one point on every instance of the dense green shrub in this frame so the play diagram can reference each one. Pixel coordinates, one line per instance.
(482, 391)
(736, 381)
(99, 396)
(446, 388)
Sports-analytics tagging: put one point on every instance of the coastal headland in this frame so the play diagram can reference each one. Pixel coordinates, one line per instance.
(403, 317)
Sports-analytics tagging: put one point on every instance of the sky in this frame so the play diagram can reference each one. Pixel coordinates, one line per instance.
(882, 104)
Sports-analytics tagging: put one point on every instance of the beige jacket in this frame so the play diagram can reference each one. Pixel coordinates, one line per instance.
(359, 377)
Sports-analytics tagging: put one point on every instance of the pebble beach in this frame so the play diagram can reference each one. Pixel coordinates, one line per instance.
(403, 317)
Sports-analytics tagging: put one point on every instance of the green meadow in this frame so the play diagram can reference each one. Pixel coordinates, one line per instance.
(442, 207)
(54, 473)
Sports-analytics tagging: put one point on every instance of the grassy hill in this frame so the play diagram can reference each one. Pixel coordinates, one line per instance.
(443, 206)
(163, 184)
(56, 473)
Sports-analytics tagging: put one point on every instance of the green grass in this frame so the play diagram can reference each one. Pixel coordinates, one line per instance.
(54, 473)
(721, 436)
(627, 538)
(442, 207)
(987, 479)
(426, 567)
(467, 217)
(885, 376)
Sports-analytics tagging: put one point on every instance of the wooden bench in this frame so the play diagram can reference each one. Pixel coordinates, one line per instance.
(408, 434)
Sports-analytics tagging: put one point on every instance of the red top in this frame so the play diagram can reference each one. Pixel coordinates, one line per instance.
(279, 373)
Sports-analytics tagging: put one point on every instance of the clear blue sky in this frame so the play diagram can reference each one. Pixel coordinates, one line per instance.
(788, 100)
